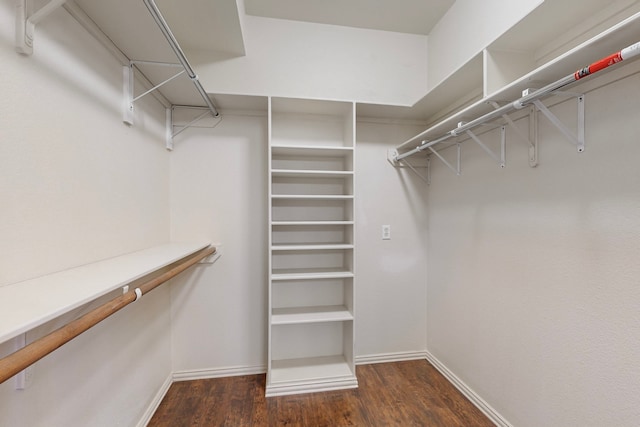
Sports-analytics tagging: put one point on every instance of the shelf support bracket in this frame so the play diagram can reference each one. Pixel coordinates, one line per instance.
(26, 23)
(533, 136)
(128, 86)
(457, 169)
(392, 158)
(500, 160)
(170, 134)
(577, 140)
(532, 139)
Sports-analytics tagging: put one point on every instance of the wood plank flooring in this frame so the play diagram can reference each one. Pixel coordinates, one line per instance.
(409, 393)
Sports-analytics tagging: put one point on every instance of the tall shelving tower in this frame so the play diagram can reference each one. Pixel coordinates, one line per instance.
(311, 246)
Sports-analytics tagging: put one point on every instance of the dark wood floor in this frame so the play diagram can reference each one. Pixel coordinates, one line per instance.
(409, 393)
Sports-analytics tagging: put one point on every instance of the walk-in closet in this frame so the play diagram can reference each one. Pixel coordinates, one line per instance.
(319, 213)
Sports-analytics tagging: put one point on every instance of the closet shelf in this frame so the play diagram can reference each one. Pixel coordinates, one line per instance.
(298, 315)
(616, 37)
(313, 247)
(294, 372)
(311, 150)
(310, 274)
(290, 173)
(311, 197)
(31, 303)
(307, 223)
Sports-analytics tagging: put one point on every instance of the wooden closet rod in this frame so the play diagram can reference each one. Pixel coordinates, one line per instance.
(28, 355)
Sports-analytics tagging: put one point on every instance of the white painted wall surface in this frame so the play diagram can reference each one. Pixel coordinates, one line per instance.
(78, 186)
(533, 273)
(219, 192)
(72, 173)
(466, 29)
(390, 293)
(305, 60)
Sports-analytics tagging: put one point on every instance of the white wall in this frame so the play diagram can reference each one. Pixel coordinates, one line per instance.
(305, 60)
(533, 273)
(218, 187)
(219, 192)
(391, 274)
(78, 186)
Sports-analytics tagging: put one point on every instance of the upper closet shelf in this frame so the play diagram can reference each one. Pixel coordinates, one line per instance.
(621, 39)
(31, 303)
(26, 21)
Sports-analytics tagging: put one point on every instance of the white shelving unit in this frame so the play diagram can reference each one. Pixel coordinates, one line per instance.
(311, 246)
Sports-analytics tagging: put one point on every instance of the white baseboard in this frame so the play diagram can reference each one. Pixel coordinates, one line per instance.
(473, 397)
(199, 374)
(233, 371)
(390, 357)
(155, 402)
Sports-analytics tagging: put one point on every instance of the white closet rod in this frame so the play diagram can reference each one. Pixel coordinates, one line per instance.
(626, 53)
(164, 28)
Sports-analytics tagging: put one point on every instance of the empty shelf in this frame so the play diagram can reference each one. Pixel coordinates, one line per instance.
(311, 173)
(297, 315)
(303, 223)
(310, 274)
(304, 151)
(312, 247)
(310, 375)
(31, 303)
(311, 197)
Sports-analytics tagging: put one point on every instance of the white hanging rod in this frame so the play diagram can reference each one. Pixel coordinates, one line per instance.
(624, 54)
(164, 28)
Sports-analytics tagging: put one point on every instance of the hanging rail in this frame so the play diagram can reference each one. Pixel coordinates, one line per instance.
(624, 54)
(28, 355)
(166, 31)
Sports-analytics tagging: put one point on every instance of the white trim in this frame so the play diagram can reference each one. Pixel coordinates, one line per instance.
(312, 386)
(233, 371)
(473, 397)
(390, 357)
(155, 402)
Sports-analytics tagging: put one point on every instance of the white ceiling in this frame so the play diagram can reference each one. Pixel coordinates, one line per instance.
(404, 16)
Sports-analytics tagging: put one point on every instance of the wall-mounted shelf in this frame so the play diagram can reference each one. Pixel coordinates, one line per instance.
(147, 62)
(500, 70)
(31, 303)
(310, 274)
(297, 315)
(303, 223)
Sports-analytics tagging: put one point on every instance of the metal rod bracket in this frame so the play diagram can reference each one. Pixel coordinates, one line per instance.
(457, 169)
(129, 91)
(392, 158)
(170, 125)
(500, 160)
(533, 136)
(26, 23)
(577, 140)
(532, 139)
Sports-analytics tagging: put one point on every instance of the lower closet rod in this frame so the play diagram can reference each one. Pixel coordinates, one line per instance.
(28, 355)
